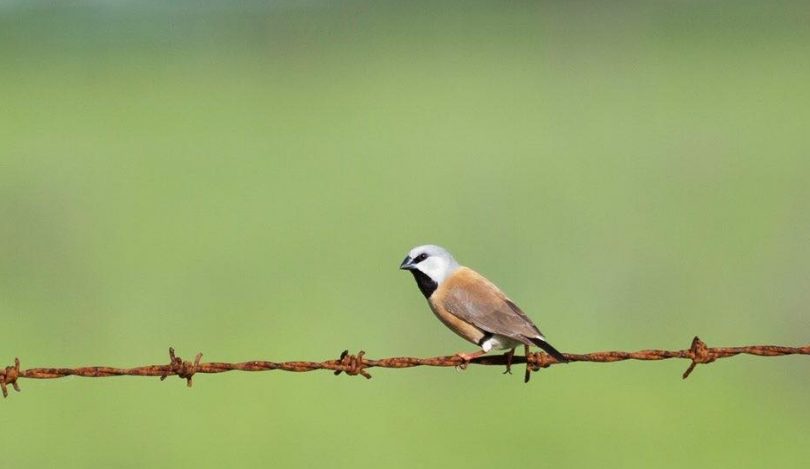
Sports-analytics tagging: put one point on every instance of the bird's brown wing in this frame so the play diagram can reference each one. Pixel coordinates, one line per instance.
(471, 297)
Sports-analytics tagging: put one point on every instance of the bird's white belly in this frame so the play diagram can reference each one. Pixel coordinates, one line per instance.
(499, 342)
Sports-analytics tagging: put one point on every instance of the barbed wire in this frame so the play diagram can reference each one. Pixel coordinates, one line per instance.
(353, 365)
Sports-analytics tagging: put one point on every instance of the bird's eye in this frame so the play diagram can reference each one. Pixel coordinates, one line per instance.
(420, 258)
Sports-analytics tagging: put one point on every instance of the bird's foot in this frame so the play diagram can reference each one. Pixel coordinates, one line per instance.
(467, 357)
(509, 355)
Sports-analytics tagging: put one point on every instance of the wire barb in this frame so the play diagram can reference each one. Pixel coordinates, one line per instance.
(700, 354)
(9, 376)
(183, 369)
(353, 365)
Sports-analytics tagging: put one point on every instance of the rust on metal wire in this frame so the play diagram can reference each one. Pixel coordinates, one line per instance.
(182, 369)
(9, 376)
(353, 365)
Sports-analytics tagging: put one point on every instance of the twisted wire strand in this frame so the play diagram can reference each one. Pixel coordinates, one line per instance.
(353, 365)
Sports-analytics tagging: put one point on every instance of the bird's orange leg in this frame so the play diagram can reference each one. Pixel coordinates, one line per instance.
(509, 355)
(469, 356)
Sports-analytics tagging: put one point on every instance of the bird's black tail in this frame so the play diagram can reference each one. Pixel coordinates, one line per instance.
(549, 349)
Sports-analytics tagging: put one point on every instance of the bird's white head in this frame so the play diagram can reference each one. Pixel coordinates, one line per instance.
(429, 264)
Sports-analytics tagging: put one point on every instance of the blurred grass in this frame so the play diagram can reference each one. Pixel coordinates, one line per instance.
(242, 179)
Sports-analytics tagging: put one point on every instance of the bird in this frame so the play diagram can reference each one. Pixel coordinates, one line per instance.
(473, 307)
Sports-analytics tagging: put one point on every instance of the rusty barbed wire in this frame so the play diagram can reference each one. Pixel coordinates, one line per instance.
(353, 365)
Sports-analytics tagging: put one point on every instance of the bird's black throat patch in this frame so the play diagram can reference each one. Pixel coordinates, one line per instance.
(426, 284)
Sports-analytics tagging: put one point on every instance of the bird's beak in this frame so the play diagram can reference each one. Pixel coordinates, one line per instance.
(406, 264)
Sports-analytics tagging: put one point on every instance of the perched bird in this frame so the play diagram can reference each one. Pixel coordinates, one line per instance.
(472, 306)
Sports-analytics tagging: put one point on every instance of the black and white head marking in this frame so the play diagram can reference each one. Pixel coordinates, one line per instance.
(430, 266)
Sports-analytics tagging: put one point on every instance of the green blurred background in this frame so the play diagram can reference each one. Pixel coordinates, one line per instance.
(243, 179)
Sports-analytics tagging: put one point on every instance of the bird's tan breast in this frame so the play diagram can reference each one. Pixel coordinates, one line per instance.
(439, 304)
